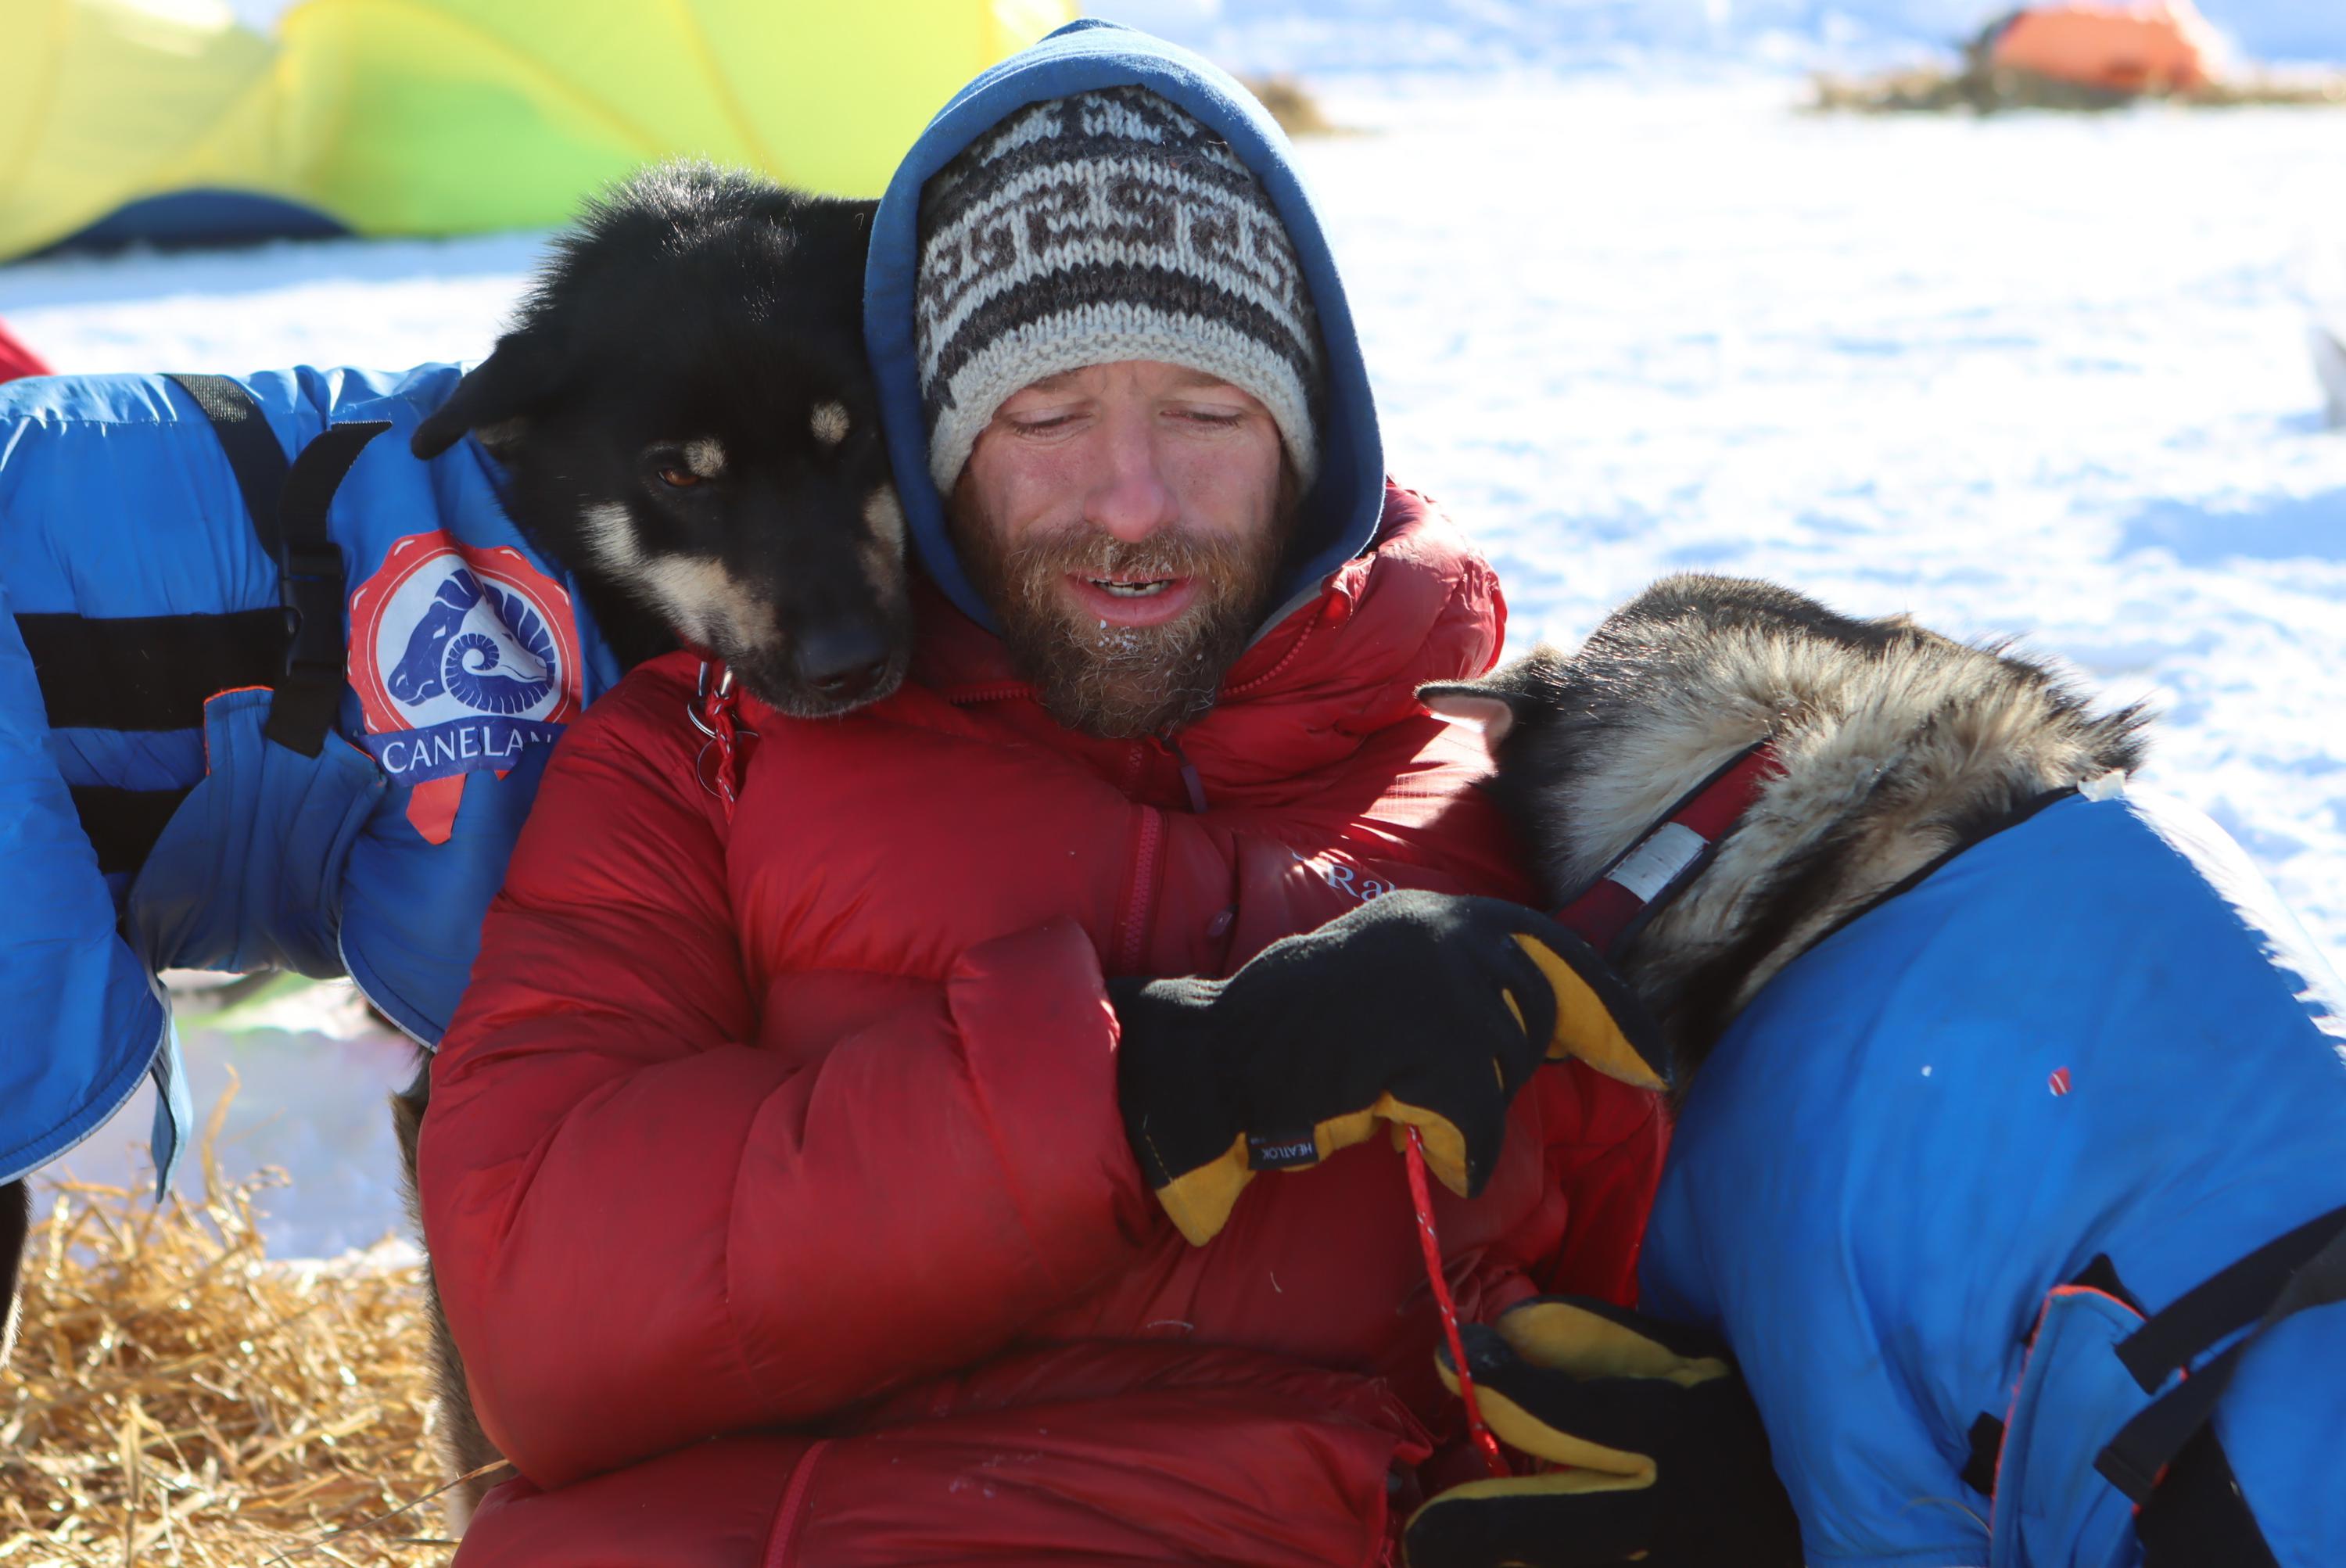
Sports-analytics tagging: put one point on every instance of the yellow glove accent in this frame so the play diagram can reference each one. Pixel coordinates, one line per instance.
(1585, 1026)
(1199, 1201)
(1519, 1428)
(1550, 1484)
(1561, 1337)
(1569, 1339)
(1445, 1145)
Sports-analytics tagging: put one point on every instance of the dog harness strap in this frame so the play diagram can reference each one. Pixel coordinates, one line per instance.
(2303, 1270)
(253, 454)
(309, 584)
(1986, 1435)
(287, 503)
(1644, 878)
(123, 824)
(2233, 1299)
(147, 673)
(1987, 1442)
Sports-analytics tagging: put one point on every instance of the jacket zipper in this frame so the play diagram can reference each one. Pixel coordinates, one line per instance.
(788, 1517)
(1133, 944)
(1001, 691)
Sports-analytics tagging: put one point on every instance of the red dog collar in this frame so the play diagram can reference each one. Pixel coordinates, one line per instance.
(1647, 875)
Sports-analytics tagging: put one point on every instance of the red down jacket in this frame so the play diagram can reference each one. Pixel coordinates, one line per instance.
(774, 1178)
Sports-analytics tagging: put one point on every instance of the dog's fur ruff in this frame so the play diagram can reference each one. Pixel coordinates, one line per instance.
(686, 420)
(1899, 747)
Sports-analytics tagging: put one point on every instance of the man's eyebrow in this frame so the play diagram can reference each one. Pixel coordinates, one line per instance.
(1184, 380)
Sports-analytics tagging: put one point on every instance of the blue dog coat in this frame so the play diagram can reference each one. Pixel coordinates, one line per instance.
(146, 823)
(2095, 1034)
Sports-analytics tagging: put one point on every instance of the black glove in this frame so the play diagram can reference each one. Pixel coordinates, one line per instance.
(1417, 1008)
(1670, 1461)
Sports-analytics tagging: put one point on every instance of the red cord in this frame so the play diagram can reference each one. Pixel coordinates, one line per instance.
(1485, 1443)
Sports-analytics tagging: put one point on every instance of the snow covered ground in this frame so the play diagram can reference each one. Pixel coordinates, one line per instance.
(1477, 36)
(2037, 375)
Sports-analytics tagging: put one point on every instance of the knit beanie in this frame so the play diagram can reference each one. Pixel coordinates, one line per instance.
(1106, 226)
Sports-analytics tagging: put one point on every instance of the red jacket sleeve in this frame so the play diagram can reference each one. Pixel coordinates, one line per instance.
(1608, 1170)
(645, 1230)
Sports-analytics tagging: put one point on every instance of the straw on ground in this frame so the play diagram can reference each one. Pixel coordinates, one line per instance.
(178, 1398)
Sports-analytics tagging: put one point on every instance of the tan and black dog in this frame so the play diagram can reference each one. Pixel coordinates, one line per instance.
(683, 411)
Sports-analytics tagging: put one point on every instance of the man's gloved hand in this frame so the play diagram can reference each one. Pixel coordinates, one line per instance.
(1416, 1009)
(1670, 1462)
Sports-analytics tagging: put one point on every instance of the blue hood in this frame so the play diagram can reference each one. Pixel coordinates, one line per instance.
(1340, 516)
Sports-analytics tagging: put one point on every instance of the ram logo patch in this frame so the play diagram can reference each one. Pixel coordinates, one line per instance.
(464, 657)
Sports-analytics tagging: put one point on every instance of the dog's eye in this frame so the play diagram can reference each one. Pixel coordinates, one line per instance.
(680, 478)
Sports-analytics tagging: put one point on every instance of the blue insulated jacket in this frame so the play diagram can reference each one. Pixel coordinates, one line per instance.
(2094, 1034)
(132, 575)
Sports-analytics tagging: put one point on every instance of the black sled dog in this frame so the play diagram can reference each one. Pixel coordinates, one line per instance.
(684, 412)
(2007, 1094)
(686, 423)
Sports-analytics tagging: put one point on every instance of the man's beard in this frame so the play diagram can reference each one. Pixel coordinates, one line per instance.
(1123, 682)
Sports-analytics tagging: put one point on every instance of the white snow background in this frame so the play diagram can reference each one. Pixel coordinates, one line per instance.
(2037, 375)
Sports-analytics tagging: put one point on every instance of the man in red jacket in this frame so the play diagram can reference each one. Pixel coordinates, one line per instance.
(858, 1172)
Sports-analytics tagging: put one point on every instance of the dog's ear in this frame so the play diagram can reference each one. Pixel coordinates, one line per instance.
(511, 384)
(1491, 704)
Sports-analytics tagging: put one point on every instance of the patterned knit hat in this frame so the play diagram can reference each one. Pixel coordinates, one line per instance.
(1102, 227)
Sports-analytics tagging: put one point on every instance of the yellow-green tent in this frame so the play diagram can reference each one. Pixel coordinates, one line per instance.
(167, 118)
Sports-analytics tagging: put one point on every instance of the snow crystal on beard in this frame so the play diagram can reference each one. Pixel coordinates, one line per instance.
(1123, 682)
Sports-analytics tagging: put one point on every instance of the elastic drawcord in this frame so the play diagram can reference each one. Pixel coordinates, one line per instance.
(1189, 780)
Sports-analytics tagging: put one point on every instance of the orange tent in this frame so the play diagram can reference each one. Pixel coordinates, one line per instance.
(2162, 46)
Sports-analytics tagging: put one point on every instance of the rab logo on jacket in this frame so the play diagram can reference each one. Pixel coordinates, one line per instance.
(464, 657)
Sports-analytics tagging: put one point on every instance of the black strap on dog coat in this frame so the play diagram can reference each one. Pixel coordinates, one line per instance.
(2190, 1509)
(251, 447)
(2299, 1271)
(148, 674)
(287, 504)
(310, 585)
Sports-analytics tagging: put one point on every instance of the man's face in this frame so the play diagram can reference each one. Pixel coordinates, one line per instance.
(1124, 523)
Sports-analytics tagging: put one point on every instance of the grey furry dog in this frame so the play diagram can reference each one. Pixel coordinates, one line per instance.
(2008, 1092)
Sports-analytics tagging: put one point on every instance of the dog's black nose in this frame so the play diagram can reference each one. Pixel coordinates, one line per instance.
(843, 661)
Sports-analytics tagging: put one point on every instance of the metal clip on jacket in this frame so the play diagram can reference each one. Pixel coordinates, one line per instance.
(714, 699)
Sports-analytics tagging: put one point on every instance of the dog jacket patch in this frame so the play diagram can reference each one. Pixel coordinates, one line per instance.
(463, 656)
